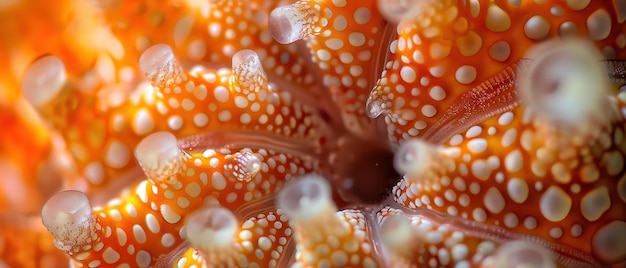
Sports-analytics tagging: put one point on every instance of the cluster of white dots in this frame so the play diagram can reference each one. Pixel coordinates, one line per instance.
(555, 203)
(412, 69)
(441, 244)
(168, 213)
(270, 232)
(338, 248)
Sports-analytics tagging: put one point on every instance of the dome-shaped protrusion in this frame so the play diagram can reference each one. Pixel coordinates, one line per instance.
(212, 229)
(305, 197)
(159, 156)
(397, 235)
(160, 65)
(414, 157)
(396, 11)
(245, 166)
(523, 254)
(43, 80)
(68, 216)
(248, 73)
(293, 22)
(567, 84)
(374, 108)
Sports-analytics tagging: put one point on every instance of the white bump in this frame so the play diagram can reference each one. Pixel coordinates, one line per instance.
(169, 214)
(143, 123)
(537, 27)
(479, 215)
(599, 25)
(43, 80)
(117, 155)
(595, 203)
(152, 223)
(518, 190)
(465, 74)
(94, 173)
(459, 252)
(143, 258)
(167, 240)
(110, 256)
(511, 220)
(477, 146)
(494, 202)
(218, 181)
(139, 234)
(608, 243)
(407, 73)
(514, 161)
(555, 204)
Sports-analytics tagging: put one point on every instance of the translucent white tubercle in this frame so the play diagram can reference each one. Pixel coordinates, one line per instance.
(212, 229)
(43, 80)
(414, 157)
(159, 157)
(396, 11)
(567, 85)
(69, 218)
(293, 22)
(247, 166)
(305, 197)
(523, 254)
(248, 73)
(397, 235)
(160, 66)
(374, 108)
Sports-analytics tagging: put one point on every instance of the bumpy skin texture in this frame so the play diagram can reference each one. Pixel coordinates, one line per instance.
(230, 104)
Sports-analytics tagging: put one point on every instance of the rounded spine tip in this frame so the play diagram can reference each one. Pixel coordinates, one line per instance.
(396, 11)
(374, 108)
(291, 23)
(160, 157)
(305, 197)
(396, 233)
(160, 65)
(521, 253)
(68, 216)
(247, 166)
(43, 80)
(248, 72)
(413, 157)
(211, 229)
(566, 84)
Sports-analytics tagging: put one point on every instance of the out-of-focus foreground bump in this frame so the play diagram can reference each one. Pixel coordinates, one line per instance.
(217, 239)
(351, 34)
(120, 232)
(325, 236)
(416, 240)
(447, 47)
(496, 113)
(572, 177)
(176, 101)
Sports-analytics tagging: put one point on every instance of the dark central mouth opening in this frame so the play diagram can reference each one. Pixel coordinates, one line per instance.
(361, 171)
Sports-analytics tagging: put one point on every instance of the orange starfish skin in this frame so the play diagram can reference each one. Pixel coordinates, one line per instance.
(125, 110)
(260, 241)
(101, 139)
(448, 47)
(559, 184)
(259, 115)
(126, 231)
(209, 32)
(333, 30)
(323, 235)
(440, 243)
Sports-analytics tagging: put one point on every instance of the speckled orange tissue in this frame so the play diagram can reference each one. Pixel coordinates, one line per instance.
(313, 133)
